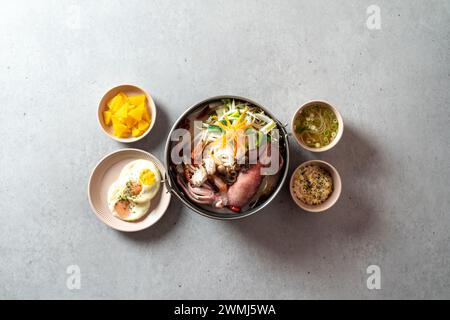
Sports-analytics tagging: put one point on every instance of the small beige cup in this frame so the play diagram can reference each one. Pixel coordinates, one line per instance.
(338, 134)
(130, 90)
(337, 187)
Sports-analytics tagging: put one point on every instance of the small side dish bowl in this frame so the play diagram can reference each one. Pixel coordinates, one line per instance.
(106, 172)
(333, 197)
(129, 90)
(337, 133)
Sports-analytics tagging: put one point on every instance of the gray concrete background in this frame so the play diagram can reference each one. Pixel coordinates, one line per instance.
(57, 58)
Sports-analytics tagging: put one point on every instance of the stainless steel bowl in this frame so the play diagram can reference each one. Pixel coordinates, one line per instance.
(176, 190)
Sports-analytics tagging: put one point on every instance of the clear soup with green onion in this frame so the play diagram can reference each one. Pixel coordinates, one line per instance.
(316, 126)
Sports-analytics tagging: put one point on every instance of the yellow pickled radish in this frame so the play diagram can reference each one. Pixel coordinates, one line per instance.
(122, 113)
(121, 130)
(128, 115)
(136, 100)
(145, 115)
(130, 122)
(107, 117)
(115, 103)
(135, 132)
(136, 113)
(143, 125)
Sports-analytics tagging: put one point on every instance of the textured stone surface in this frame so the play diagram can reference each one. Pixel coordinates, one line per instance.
(57, 58)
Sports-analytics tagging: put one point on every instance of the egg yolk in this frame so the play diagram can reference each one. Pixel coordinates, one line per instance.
(135, 188)
(147, 177)
(123, 208)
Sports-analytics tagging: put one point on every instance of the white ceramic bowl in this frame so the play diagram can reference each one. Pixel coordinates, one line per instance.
(106, 172)
(130, 90)
(338, 134)
(337, 187)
